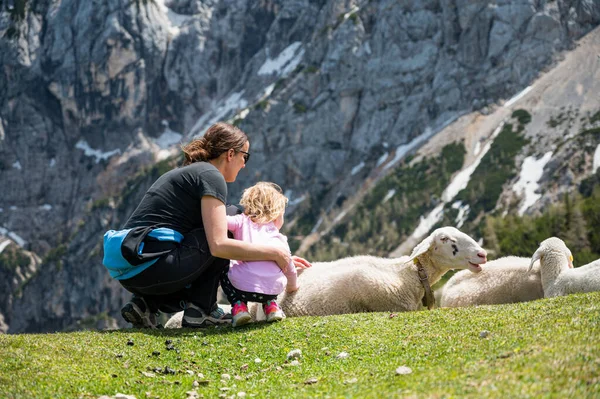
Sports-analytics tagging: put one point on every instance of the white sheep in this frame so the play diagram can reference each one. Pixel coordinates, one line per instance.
(372, 284)
(558, 275)
(500, 281)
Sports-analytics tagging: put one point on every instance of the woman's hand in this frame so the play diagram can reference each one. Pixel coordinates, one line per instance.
(300, 263)
(283, 259)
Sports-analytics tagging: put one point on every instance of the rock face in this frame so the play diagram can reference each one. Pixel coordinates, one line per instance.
(91, 92)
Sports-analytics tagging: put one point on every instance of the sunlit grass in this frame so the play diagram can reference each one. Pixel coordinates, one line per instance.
(546, 348)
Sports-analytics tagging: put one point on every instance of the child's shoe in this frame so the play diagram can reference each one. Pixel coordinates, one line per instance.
(240, 314)
(273, 311)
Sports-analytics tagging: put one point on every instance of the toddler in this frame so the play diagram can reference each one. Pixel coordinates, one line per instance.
(258, 281)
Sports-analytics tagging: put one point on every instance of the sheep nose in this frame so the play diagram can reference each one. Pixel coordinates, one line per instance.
(482, 255)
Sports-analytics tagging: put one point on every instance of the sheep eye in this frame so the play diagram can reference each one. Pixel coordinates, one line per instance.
(444, 239)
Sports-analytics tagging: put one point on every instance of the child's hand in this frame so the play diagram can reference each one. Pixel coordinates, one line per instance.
(301, 263)
(290, 290)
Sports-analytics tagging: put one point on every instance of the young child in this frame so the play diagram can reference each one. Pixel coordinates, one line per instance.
(258, 281)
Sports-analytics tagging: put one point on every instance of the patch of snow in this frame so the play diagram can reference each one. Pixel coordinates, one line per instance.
(531, 173)
(463, 210)
(232, 103)
(404, 148)
(13, 208)
(389, 195)
(428, 222)
(296, 201)
(90, 152)
(168, 137)
(353, 10)
(17, 165)
(316, 227)
(367, 48)
(46, 207)
(171, 20)
(244, 113)
(3, 245)
(13, 236)
(477, 148)
(596, 159)
(357, 168)
(517, 97)
(285, 62)
(339, 217)
(382, 159)
(52, 162)
(268, 90)
(17, 239)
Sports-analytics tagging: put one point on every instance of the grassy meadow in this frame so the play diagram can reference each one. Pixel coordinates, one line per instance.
(545, 348)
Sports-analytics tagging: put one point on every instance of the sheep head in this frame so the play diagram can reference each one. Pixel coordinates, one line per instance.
(555, 246)
(451, 248)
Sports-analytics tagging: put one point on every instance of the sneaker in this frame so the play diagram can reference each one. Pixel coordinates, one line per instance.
(195, 317)
(273, 311)
(240, 314)
(137, 312)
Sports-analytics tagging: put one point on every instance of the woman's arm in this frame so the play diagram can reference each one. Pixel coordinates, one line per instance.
(221, 246)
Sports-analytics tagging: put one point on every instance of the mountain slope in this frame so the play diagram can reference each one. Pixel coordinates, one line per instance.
(548, 151)
(96, 96)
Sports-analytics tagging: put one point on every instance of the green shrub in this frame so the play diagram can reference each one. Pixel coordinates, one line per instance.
(574, 220)
(13, 257)
(299, 108)
(262, 105)
(496, 168)
(55, 254)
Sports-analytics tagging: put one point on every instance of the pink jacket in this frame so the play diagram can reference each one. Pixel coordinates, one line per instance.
(263, 277)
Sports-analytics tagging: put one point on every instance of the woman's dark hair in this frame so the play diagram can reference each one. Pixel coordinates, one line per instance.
(219, 138)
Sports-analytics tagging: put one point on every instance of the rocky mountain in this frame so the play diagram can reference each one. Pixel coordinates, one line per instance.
(95, 97)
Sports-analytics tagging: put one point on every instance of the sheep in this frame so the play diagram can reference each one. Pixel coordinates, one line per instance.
(559, 278)
(374, 284)
(500, 281)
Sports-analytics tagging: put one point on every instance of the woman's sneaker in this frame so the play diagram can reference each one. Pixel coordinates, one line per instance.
(240, 314)
(195, 317)
(137, 312)
(273, 311)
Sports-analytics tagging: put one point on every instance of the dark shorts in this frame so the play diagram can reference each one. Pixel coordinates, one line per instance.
(187, 273)
(234, 295)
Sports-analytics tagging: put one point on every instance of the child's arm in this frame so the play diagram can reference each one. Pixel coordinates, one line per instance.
(234, 223)
(292, 278)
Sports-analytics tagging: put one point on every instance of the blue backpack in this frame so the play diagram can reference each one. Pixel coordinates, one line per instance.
(123, 249)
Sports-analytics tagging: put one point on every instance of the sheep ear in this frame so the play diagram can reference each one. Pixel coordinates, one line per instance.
(421, 248)
(536, 256)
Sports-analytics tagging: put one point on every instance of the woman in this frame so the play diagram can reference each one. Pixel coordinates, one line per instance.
(174, 247)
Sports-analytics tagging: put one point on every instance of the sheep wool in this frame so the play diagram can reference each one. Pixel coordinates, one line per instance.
(500, 281)
(375, 284)
(558, 276)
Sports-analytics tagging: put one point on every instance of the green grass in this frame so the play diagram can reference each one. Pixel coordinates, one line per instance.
(546, 348)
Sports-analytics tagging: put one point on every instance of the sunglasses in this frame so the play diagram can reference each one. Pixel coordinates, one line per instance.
(246, 156)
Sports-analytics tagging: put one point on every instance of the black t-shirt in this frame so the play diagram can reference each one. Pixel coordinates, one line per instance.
(174, 199)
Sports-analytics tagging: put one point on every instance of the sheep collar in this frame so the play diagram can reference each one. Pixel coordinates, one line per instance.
(428, 299)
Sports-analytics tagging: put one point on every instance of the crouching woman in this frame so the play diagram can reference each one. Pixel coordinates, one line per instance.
(174, 247)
